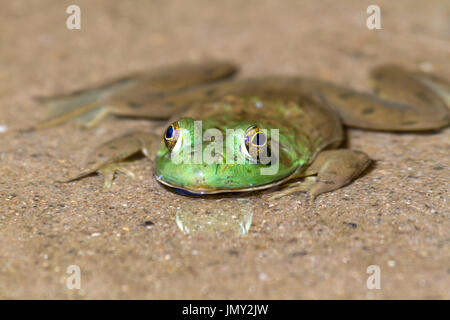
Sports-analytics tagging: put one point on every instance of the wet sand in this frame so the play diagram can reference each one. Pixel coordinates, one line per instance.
(127, 242)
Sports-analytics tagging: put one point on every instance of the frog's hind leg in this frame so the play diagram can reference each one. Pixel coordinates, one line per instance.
(156, 94)
(438, 84)
(333, 169)
(111, 157)
(403, 101)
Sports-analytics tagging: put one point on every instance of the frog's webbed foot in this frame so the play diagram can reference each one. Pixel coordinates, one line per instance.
(402, 101)
(110, 157)
(334, 169)
(87, 107)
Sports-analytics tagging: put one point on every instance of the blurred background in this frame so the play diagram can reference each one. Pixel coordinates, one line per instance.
(327, 39)
(290, 252)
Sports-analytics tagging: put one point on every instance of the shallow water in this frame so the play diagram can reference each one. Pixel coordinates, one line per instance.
(215, 216)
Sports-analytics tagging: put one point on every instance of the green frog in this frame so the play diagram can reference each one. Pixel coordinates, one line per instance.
(233, 135)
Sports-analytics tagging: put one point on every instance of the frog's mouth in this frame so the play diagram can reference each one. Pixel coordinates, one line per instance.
(199, 192)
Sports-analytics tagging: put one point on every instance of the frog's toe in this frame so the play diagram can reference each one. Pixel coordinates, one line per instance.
(298, 186)
(109, 171)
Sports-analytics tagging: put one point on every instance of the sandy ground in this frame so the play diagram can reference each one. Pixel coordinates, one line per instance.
(396, 216)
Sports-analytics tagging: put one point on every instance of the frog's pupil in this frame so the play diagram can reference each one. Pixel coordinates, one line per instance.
(259, 139)
(169, 132)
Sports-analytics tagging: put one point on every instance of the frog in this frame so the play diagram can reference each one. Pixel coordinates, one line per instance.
(282, 133)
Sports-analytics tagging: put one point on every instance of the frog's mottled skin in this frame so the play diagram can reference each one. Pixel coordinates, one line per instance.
(309, 114)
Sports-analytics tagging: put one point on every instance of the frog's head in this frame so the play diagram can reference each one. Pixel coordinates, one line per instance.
(210, 156)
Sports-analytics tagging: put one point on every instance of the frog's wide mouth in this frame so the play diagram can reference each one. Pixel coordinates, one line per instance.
(198, 191)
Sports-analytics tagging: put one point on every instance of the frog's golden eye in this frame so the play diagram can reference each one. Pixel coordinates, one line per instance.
(254, 143)
(172, 136)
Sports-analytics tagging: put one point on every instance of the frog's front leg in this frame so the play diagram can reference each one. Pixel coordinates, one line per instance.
(334, 169)
(110, 157)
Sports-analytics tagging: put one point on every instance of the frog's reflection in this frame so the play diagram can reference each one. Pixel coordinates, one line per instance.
(215, 216)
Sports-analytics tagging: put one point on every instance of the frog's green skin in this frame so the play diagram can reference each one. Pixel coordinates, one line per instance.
(297, 119)
(309, 114)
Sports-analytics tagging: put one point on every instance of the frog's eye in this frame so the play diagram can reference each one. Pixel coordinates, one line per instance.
(172, 137)
(254, 143)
